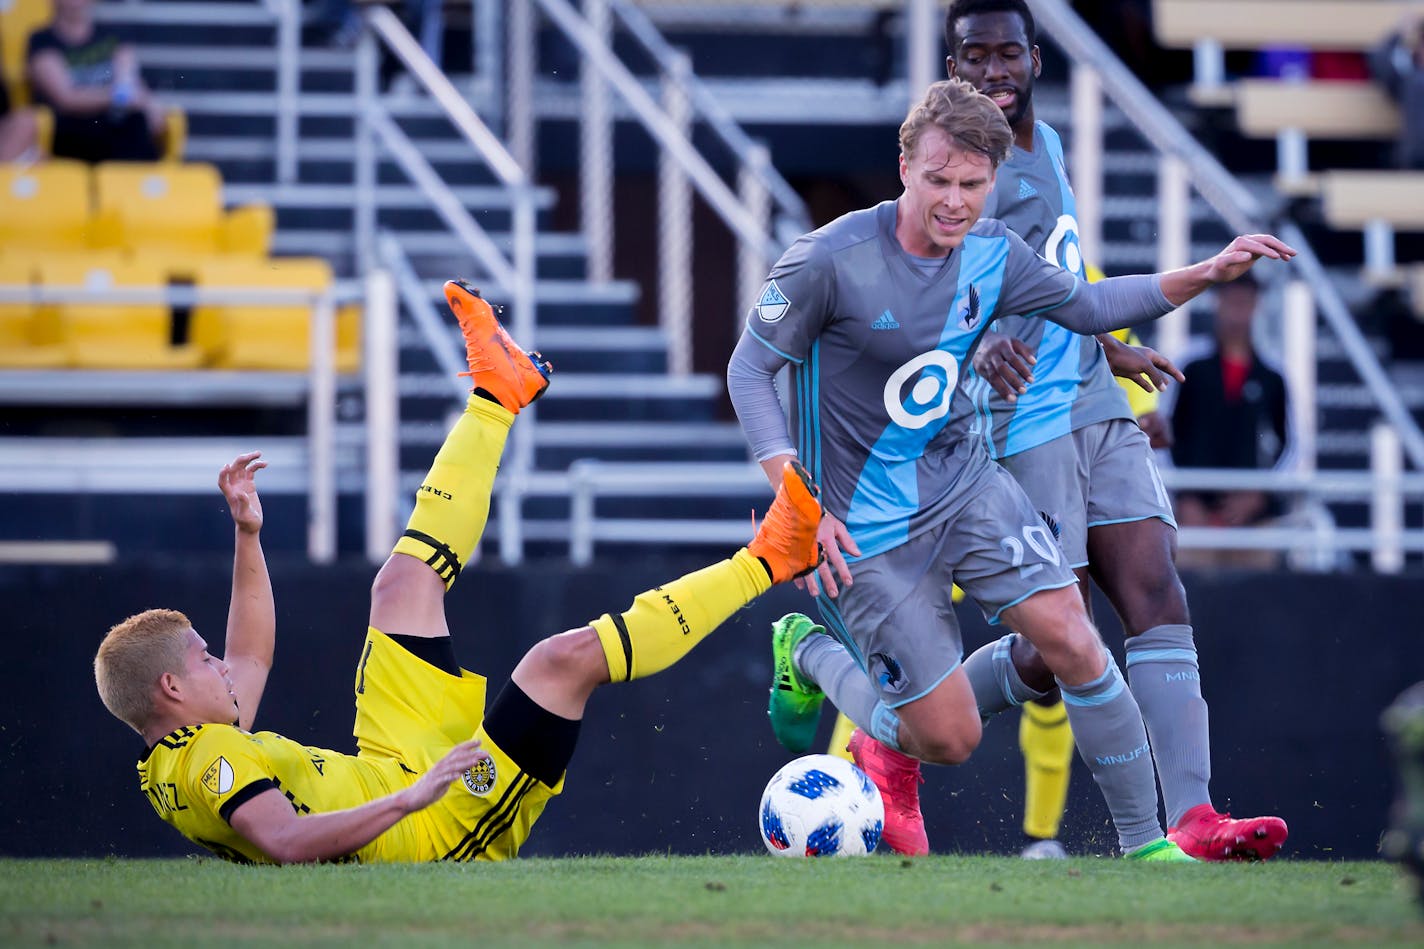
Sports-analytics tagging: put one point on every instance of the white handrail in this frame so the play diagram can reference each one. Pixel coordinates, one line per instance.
(712, 113)
(707, 182)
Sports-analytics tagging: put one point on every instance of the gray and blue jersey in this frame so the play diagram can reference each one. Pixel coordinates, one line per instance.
(877, 342)
(1072, 384)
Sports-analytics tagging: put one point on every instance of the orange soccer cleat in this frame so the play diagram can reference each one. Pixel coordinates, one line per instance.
(498, 366)
(786, 540)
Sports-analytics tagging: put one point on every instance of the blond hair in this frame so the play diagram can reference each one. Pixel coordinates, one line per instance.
(966, 116)
(132, 656)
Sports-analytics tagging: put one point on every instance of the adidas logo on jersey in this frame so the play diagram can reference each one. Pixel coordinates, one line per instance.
(886, 321)
(1026, 190)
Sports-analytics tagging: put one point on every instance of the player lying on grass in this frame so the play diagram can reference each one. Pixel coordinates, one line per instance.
(435, 776)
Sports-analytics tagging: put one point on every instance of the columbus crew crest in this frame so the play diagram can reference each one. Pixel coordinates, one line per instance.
(480, 779)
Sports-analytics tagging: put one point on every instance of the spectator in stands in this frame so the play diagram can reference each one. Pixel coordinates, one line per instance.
(1231, 412)
(17, 129)
(1398, 65)
(90, 79)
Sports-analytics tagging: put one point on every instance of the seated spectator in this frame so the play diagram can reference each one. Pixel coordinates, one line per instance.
(1398, 65)
(1230, 413)
(17, 129)
(102, 110)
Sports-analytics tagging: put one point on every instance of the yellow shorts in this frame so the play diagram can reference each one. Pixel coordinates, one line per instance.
(410, 711)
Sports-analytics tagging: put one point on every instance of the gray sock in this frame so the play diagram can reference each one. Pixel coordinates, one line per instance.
(996, 683)
(1112, 741)
(1162, 672)
(825, 662)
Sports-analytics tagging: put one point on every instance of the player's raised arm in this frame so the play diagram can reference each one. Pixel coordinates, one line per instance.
(252, 615)
(270, 823)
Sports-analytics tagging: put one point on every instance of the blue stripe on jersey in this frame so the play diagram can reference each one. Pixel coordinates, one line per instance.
(806, 383)
(1065, 193)
(1028, 427)
(886, 495)
(831, 617)
(761, 339)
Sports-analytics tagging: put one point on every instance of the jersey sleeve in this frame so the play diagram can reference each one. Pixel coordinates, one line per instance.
(228, 770)
(796, 301)
(1033, 284)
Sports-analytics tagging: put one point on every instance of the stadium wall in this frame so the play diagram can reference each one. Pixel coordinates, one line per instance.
(1296, 668)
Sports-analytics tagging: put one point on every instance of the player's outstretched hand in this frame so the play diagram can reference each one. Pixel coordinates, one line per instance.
(1143, 365)
(434, 784)
(239, 486)
(1240, 254)
(834, 538)
(1005, 363)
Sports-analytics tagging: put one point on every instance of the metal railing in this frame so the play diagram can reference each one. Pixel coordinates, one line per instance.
(682, 167)
(1311, 537)
(513, 275)
(319, 393)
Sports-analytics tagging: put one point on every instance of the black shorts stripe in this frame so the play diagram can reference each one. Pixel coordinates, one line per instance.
(627, 642)
(508, 801)
(443, 561)
(505, 823)
(495, 821)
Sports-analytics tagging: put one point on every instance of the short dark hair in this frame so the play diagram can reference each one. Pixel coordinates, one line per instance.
(963, 8)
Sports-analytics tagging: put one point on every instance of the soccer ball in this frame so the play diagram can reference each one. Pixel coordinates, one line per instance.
(821, 806)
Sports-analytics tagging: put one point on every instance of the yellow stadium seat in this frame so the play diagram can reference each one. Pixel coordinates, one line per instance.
(18, 19)
(45, 207)
(114, 335)
(22, 343)
(167, 207)
(265, 336)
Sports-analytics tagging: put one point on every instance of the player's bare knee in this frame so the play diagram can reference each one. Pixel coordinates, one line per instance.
(950, 746)
(575, 656)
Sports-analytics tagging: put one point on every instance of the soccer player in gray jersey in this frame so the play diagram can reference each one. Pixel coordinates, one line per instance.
(877, 312)
(1070, 440)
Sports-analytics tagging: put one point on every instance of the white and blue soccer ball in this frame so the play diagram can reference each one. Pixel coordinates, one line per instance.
(821, 806)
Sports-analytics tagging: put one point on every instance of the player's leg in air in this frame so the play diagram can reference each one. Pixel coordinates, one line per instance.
(532, 724)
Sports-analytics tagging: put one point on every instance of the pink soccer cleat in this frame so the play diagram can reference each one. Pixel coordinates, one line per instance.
(1207, 835)
(898, 777)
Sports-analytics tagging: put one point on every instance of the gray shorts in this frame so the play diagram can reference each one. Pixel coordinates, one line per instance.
(897, 618)
(1103, 473)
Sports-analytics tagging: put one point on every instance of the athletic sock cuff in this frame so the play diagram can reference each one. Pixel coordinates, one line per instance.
(1100, 691)
(1167, 643)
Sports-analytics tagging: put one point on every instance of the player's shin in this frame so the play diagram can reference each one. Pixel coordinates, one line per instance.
(452, 504)
(1107, 726)
(1162, 670)
(664, 623)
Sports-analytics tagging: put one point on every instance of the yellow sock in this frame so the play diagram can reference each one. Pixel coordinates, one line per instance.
(664, 623)
(1047, 745)
(452, 504)
(840, 737)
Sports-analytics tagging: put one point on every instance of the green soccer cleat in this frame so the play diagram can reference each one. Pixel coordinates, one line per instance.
(795, 704)
(1161, 850)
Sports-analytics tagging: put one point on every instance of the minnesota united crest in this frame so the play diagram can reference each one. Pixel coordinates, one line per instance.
(969, 316)
(479, 779)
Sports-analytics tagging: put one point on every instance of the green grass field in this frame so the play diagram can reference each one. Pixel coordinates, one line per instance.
(706, 901)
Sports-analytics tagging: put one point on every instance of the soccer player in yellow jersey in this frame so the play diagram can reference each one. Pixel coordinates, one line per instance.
(435, 776)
